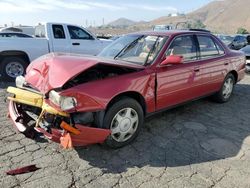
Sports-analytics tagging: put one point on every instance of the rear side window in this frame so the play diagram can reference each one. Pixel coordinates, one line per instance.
(58, 32)
(78, 33)
(208, 48)
(183, 46)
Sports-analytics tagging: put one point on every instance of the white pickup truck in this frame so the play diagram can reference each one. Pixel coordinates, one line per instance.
(17, 53)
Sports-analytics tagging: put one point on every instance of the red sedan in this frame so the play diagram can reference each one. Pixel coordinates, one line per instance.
(80, 100)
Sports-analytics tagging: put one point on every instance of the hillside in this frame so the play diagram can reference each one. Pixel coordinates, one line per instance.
(219, 16)
(222, 16)
(122, 22)
(226, 15)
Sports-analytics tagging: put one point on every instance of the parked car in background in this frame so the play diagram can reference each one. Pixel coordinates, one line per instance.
(163, 27)
(17, 53)
(234, 42)
(14, 35)
(246, 50)
(104, 98)
(238, 42)
(248, 38)
(226, 39)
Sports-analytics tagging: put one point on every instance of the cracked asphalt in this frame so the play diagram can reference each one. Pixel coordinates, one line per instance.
(201, 144)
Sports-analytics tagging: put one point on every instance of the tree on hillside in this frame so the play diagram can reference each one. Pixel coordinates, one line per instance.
(195, 25)
(199, 25)
(242, 30)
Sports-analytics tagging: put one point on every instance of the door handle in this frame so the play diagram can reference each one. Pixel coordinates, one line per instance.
(76, 44)
(197, 69)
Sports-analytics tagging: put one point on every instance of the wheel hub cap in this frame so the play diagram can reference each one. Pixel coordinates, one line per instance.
(227, 88)
(124, 124)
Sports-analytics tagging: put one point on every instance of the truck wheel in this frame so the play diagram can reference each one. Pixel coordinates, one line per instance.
(226, 90)
(11, 67)
(125, 119)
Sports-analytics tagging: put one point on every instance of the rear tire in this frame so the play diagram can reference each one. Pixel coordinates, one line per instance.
(226, 90)
(11, 67)
(125, 119)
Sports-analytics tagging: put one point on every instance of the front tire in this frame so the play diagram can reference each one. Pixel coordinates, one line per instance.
(11, 67)
(125, 119)
(226, 90)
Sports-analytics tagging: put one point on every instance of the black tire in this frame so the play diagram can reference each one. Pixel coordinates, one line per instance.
(21, 67)
(219, 96)
(113, 111)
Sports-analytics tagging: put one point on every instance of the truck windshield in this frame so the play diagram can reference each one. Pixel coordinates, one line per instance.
(138, 49)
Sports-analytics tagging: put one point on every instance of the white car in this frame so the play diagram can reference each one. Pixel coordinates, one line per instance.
(246, 50)
(17, 53)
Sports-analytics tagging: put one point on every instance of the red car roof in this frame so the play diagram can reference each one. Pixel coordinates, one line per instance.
(169, 32)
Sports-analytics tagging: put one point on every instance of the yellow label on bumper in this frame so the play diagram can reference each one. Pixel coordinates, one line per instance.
(25, 97)
(33, 99)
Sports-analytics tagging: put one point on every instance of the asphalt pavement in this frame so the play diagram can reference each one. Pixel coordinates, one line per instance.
(201, 144)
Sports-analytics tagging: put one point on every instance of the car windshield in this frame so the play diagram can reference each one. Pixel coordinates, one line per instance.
(138, 49)
(226, 39)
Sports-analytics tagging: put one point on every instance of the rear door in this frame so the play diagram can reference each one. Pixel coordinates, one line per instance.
(59, 40)
(175, 83)
(211, 65)
(83, 42)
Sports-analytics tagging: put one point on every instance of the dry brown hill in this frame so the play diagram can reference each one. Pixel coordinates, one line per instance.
(222, 16)
(122, 22)
(219, 16)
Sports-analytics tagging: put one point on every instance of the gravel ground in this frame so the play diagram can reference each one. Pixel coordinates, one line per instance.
(201, 144)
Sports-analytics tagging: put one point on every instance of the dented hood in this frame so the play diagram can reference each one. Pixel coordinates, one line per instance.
(55, 69)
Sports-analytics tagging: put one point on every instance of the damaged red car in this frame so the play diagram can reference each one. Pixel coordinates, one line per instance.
(79, 100)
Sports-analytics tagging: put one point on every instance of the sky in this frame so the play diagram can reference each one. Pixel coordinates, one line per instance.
(90, 12)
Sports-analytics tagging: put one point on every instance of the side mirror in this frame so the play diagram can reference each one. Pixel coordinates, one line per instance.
(172, 59)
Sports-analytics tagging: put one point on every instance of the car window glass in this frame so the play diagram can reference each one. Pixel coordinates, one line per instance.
(144, 50)
(237, 38)
(58, 31)
(219, 48)
(183, 46)
(207, 47)
(138, 49)
(78, 33)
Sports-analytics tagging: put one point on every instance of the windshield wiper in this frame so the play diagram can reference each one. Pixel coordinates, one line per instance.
(122, 52)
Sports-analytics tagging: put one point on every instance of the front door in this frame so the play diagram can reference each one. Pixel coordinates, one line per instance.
(175, 83)
(82, 42)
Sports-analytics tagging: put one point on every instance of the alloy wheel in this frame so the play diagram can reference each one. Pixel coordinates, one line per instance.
(14, 69)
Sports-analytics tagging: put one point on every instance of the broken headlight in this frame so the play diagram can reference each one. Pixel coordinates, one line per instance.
(20, 81)
(65, 103)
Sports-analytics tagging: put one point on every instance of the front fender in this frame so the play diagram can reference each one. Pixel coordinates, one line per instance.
(96, 95)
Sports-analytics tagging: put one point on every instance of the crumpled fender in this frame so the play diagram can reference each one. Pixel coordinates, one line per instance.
(87, 136)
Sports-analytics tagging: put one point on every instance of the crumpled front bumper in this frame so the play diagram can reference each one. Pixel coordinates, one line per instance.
(68, 136)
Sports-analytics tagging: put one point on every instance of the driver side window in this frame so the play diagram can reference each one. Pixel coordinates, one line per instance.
(78, 33)
(183, 46)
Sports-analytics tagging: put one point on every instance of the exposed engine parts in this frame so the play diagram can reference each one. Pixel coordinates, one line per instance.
(97, 72)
